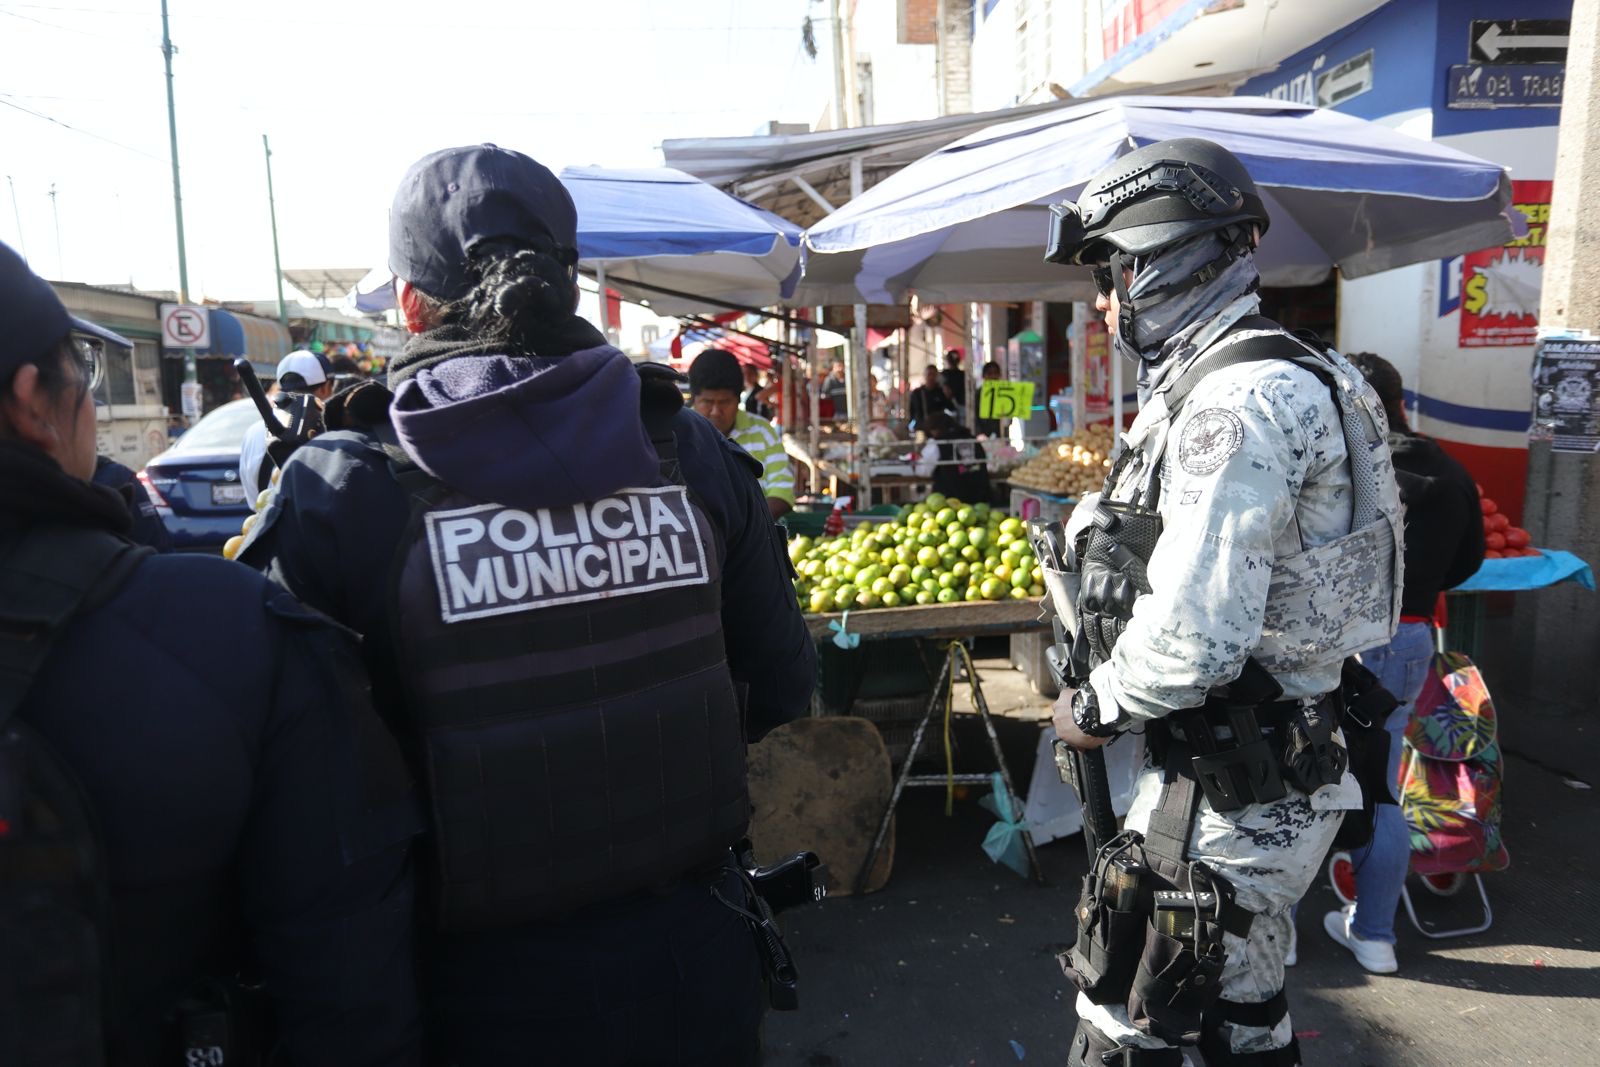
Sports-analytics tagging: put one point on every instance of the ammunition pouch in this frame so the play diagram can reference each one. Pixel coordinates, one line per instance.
(1115, 551)
(1308, 754)
(1111, 915)
(1151, 943)
(1177, 981)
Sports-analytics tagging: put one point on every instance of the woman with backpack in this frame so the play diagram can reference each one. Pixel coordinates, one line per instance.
(1443, 548)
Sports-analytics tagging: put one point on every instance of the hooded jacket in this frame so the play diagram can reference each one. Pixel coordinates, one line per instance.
(1444, 525)
(522, 430)
(247, 802)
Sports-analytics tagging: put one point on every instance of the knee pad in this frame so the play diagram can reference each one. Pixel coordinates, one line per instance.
(1091, 1048)
(1217, 1049)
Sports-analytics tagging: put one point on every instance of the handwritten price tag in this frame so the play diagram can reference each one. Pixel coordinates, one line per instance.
(1005, 400)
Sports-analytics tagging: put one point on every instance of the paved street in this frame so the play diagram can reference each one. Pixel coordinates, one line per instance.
(953, 963)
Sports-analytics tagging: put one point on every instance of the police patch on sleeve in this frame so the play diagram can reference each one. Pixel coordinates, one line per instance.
(1209, 439)
(493, 560)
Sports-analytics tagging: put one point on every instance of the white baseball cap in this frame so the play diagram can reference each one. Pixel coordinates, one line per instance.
(307, 366)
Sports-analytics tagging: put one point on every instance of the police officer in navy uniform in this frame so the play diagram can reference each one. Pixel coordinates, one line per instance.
(225, 809)
(579, 611)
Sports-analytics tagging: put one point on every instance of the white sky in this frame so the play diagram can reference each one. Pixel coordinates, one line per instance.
(350, 93)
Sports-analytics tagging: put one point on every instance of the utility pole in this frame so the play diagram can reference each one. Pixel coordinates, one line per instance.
(22, 241)
(168, 52)
(1558, 629)
(272, 209)
(55, 210)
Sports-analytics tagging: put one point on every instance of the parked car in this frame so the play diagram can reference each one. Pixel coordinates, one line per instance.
(195, 483)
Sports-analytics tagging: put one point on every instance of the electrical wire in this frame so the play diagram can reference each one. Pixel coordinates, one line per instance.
(77, 130)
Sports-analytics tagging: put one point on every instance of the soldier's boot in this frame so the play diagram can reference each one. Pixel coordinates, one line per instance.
(1091, 1048)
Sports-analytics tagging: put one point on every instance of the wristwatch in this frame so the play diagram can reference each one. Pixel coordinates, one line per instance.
(1086, 714)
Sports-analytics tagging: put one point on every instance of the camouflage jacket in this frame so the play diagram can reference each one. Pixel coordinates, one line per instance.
(1257, 556)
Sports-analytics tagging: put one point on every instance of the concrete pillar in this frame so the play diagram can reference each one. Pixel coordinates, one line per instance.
(954, 50)
(1558, 630)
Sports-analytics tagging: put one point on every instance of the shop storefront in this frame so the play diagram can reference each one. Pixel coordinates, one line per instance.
(233, 334)
(1460, 331)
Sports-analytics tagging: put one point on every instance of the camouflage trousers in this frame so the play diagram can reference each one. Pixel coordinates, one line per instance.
(1270, 853)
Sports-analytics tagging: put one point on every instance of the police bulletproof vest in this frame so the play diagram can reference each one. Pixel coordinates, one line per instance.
(580, 733)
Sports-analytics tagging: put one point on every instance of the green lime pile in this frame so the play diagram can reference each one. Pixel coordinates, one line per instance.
(940, 551)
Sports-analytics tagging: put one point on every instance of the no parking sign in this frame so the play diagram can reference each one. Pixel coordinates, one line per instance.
(185, 326)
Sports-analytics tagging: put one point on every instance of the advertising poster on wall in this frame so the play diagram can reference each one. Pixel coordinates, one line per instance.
(1096, 368)
(1566, 393)
(1500, 287)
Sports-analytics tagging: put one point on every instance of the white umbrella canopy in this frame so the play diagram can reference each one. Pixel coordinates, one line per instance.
(969, 221)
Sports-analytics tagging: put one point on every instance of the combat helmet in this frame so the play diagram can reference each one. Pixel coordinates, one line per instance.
(1153, 197)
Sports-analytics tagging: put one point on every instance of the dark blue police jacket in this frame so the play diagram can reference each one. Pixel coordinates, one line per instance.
(531, 433)
(331, 532)
(249, 807)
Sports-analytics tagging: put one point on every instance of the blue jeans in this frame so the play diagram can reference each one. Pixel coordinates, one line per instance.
(1402, 667)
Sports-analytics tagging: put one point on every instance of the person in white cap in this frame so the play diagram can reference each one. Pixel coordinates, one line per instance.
(301, 371)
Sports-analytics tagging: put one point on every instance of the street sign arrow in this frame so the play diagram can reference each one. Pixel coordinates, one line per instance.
(1519, 40)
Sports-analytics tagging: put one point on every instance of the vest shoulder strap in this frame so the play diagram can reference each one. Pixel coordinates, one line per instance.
(47, 576)
(660, 400)
(1230, 353)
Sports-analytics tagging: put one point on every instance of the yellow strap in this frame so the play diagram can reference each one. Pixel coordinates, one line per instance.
(956, 650)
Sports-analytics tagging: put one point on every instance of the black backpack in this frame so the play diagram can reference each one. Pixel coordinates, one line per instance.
(53, 892)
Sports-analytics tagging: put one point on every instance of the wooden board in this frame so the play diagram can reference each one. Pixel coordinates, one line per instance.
(966, 619)
(822, 784)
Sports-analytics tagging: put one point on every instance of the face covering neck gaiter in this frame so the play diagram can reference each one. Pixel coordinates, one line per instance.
(1159, 330)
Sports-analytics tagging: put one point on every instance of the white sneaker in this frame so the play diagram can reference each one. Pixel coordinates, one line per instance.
(1293, 956)
(1375, 956)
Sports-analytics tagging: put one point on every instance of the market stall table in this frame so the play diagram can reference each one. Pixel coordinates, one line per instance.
(1517, 574)
(929, 622)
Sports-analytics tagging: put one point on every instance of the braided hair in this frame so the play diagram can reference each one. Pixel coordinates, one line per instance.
(521, 294)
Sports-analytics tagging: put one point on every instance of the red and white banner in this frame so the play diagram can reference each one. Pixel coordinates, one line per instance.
(1500, 287)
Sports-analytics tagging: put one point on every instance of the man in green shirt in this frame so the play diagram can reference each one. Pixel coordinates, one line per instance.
(715, 382)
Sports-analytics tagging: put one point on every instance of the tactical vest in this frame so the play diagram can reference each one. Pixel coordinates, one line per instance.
(1336, 599)
(580, 733)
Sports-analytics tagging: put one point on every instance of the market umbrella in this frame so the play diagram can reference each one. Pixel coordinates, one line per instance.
(646, 231)
(968, 222)
(662, 229)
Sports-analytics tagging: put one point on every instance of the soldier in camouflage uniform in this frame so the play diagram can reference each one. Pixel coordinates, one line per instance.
(1279, 521)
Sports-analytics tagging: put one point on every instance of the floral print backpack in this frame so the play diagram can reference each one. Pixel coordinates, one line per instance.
(1450, 773)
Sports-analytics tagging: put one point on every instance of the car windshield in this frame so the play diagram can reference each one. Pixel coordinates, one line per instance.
(220, 431)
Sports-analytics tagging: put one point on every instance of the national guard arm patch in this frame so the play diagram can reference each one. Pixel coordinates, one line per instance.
(1209, 439)
(494, 560)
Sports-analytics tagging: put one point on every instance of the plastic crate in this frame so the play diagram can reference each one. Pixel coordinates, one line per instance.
(1035, 504)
